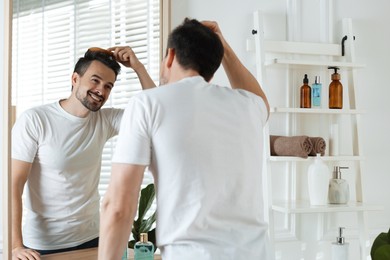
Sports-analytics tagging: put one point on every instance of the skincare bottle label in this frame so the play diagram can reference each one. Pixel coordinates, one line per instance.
(316, 95)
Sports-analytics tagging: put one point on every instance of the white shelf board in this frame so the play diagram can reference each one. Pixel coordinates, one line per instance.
(325, 63)
(324, 158)
(315, 110)
(296, 207)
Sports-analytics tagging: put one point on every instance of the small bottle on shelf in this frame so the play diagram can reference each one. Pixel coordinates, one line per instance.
(316, 94)
(335, 91)
(143, 249)
(305, 92)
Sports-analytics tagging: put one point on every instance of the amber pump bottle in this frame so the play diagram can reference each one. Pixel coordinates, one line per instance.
(335, 91)
(305, 93)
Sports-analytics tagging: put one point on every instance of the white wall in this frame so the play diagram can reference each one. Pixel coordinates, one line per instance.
(370, 24)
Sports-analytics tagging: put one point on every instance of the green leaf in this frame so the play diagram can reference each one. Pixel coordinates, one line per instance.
(381, 244)
(382, 253)
(147, 224)
(145, 202)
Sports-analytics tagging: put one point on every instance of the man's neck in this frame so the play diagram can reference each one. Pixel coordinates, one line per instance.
(74, 107)
(180, 74)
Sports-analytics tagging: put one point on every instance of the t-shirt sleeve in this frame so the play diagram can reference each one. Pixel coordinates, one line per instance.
(134, 139)
(259, 104)
(113, 116)
(25, 137)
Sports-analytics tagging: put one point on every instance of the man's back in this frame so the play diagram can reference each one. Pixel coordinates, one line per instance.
(206, 159)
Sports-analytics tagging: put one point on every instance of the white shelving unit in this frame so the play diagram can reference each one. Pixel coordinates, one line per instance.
(293, 57)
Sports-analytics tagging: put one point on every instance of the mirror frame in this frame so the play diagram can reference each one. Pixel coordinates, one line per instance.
(6, 141)
(9, 114)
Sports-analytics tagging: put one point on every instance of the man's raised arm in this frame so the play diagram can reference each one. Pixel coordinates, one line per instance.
(239, 76)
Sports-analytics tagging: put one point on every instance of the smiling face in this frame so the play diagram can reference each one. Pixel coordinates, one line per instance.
(94, 87)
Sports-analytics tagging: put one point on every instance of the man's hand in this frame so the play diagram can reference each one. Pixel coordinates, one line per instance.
(212, 25)
(126, 56)
(21, 253)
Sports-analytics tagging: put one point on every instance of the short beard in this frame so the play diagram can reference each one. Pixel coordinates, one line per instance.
(89, 105)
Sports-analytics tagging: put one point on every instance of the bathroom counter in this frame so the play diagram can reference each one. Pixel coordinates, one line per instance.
(84, 254)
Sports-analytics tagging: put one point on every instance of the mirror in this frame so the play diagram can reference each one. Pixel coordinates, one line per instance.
(49, 36)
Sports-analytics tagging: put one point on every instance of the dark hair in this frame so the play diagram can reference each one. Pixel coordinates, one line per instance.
(103, 56)
(196, 47)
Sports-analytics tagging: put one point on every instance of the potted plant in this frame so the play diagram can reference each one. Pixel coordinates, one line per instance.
(143, 224)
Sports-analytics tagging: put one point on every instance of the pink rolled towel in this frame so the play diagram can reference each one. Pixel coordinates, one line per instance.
(319, 146)
(299, 146)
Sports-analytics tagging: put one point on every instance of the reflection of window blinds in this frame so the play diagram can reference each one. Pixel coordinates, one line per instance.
(49, 36)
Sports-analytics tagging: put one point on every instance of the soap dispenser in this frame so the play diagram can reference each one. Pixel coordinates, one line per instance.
(340, 247)
(305, 92)
(318, 181)
(335, 90)
(338, 187)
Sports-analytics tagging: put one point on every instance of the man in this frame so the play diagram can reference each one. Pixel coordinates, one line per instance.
(203, 144)
(56, 152)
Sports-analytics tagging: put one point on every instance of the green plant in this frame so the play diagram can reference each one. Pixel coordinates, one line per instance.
(142, 224)
(380, 249)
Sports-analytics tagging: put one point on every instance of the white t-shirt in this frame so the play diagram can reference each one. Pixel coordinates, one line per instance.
(62, 198)
(204, 145)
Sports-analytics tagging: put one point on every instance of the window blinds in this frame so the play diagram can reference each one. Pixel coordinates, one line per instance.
(50, 35)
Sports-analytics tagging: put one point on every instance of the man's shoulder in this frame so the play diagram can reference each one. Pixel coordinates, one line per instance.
(41, 109)
(110, 113)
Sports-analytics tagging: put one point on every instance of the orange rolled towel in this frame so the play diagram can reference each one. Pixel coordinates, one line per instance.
(298, 146)
(319, 146)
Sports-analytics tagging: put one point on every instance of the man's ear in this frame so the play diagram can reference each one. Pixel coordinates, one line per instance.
(170, 57)
(75, 78)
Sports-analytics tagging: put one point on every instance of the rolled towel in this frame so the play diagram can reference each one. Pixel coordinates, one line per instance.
(299, 146)
(319, 146)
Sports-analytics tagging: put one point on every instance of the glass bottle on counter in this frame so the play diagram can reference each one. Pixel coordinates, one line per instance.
(143, 249)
